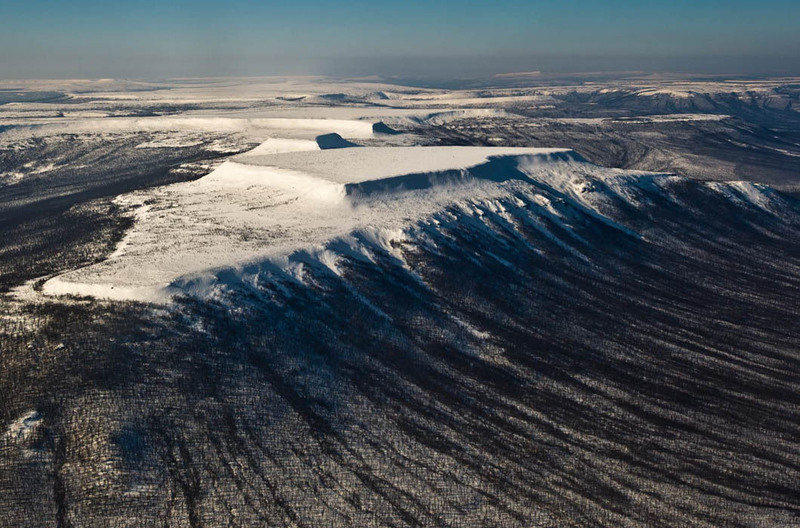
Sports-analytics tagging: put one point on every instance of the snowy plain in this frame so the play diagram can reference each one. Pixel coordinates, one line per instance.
(323, 162)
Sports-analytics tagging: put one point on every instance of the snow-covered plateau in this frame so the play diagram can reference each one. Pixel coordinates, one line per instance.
(290, 204)
(512, 302)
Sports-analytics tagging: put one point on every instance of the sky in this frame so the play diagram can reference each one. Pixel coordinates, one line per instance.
(423, 38)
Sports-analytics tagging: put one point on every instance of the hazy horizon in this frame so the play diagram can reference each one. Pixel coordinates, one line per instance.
(91, 39)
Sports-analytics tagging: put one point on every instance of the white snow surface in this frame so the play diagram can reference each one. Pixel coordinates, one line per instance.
(270, 203)
(356, 165)
(23, 427)
(285, 127)
(288, 195)
(287, 204)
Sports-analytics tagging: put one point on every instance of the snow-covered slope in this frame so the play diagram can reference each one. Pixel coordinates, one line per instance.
(380, 336)
(269, 206)
(287, 203)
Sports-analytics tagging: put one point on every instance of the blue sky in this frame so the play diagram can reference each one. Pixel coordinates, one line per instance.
(48, 38)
